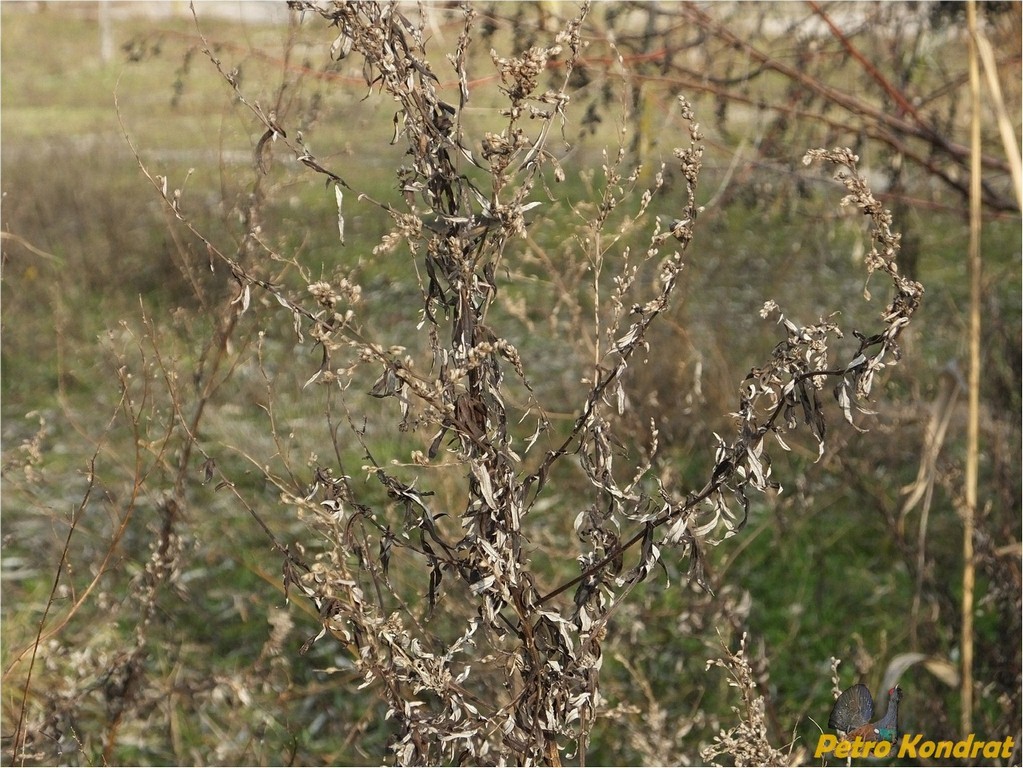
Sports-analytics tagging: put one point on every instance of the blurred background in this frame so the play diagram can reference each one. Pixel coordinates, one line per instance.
(110, 308)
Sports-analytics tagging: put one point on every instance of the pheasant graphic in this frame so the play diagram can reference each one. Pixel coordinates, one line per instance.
(853, 710)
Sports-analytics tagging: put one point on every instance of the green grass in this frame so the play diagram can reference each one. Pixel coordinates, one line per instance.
(823, 574)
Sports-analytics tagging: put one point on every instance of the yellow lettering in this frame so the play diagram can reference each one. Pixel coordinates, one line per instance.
(1008, 747)
(962, 748)
(945, 748)
(857, 748)
(910, 745)
(860, 748)
(915, 746)
(826, 743)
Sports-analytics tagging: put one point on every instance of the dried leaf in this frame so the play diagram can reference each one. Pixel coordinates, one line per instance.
(260, 146)
(341, 47)
(339, 196)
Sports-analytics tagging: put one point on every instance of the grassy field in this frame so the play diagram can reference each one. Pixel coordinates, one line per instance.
(112, 310)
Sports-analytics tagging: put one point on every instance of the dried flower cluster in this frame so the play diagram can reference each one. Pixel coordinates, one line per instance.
(466, 206)
(477, 658)
(460, 230)
(746, 743)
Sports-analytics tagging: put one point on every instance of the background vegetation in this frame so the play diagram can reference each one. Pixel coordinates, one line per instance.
(151, 428)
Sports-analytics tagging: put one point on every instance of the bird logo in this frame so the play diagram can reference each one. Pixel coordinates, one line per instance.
(854, 709)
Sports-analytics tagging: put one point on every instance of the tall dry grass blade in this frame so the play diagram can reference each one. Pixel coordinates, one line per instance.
(973, 384)
(921, 491)
(1009, 138)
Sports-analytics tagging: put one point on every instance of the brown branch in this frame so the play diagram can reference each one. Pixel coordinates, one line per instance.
(896, 95)
(19, 730)
(957, 152)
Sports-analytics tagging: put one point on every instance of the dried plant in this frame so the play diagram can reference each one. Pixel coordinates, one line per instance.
(426, 568)
(747, 742)
(465, 210)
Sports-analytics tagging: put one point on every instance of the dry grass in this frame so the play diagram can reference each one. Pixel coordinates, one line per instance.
(463, 518)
